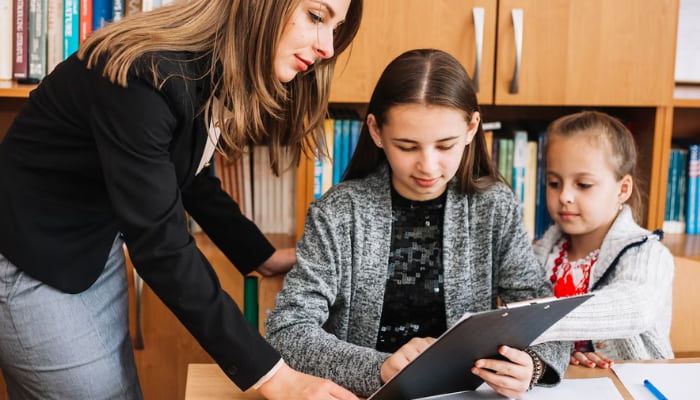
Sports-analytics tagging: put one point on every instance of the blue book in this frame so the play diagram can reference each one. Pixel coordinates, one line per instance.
(318, 178)
(355, 127)
(542, 217)
(682, 188)
(101, 13)
(71, 27)
(519, 165)
(337, 148)
(691, 226)
(346, 146)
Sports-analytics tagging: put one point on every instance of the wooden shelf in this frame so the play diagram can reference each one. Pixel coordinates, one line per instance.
(681, 245)
(687, 103)
(14, 89)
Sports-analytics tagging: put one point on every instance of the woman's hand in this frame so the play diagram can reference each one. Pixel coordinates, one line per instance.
(404, 355)
(590, 360)
(288, 384)
(279, 262)
(509, 378)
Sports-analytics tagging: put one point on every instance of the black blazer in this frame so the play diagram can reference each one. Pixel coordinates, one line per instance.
(86, 159)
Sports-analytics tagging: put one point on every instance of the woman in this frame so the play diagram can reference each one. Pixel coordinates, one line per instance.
(111, 148)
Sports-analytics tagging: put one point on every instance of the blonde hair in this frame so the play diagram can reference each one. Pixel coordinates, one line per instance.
(240, 38)
(612, 135)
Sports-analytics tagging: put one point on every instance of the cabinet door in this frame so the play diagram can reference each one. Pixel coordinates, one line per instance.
(588, 52)
(390, 27)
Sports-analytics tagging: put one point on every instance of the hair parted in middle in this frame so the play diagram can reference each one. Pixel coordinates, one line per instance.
(239, 38)
(428, 77)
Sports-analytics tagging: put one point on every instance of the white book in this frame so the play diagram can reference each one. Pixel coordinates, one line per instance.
(54, 42)
(147, 5)
(6, 39)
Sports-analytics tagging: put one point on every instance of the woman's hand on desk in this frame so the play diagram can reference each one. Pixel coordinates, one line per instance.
(590, 360)
(404, 355)
(510, 378)
(288, 384)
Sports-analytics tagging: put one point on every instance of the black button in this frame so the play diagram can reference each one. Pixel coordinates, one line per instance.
(231, 370)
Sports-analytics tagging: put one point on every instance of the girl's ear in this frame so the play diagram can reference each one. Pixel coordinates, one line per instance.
(374, 130)
(473, 126)
(626, 187)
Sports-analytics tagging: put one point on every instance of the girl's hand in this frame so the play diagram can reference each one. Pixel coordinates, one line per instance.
(590, 360)
(281, 261)
(291, 384)
(404, 355)
(509, 378)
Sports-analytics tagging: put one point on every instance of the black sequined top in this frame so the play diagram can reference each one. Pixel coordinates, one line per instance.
(414, 301)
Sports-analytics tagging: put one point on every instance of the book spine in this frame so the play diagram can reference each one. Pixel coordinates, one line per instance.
(54, 36)
(671, 212)
(20, 26)
(85, 19)
(250, 300)
(682, 189)
(132, 7)
(37, 38)
(101, 13)
(71, 29)
(117, 10)
(691, 226)
(6, 39)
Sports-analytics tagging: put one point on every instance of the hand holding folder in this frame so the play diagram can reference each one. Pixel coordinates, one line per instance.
(444, 366)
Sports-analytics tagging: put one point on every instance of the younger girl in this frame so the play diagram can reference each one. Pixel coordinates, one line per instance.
(596, 246)
(420, 232)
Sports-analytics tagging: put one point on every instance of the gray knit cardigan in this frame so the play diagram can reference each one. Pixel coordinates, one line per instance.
(327, 314)
(629, 318)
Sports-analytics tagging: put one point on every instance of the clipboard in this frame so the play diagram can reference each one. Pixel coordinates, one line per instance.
(444, 367)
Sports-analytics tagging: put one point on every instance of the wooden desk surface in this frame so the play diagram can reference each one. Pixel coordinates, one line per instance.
(208, 382)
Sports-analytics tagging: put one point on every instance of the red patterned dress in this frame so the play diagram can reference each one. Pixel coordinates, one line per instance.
(570, 278)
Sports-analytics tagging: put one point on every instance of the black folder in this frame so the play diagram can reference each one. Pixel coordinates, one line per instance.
(445, 366)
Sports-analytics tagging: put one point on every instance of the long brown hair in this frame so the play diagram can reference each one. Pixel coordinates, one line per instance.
(240, 38)
(612, 135)
(429, 77)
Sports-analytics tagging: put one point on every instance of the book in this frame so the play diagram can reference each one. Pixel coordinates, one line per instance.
(117, 10)
(54, 42)
(71, 27)
(444, 366)
(38, 30)
(132, 7)
(20, 33)
(101, 13)
(692, 226)
(85, 19)
(6, 39)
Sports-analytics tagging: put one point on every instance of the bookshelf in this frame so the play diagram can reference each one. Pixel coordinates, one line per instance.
(615, 56)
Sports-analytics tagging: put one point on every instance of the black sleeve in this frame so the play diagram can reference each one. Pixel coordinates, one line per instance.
(221, 219)
(133, 129)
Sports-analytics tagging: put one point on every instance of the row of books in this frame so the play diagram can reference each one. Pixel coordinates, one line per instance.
(517, 155)
(264, 198)
(682, 213)
(342, 131)
(35, 35)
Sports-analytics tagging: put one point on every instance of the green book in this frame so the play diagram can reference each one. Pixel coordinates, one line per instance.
(250, 300)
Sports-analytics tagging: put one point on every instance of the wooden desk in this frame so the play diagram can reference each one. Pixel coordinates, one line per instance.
(208, 382)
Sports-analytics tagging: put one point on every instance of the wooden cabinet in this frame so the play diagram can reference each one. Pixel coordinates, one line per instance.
(573, 52)
(587, 52)
(390, 27)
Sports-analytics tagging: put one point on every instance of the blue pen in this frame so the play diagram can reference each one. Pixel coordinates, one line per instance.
(654, 390)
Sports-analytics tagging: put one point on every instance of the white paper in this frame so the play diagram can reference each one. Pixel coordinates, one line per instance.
(688, 45)
(675, 381)
(569, 389)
